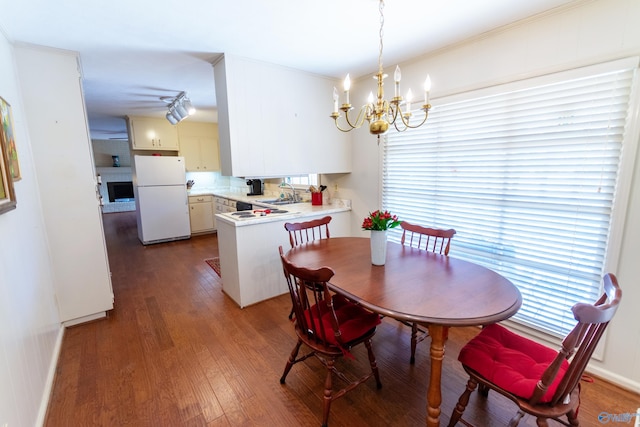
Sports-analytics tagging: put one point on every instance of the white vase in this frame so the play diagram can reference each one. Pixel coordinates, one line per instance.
(378, 247)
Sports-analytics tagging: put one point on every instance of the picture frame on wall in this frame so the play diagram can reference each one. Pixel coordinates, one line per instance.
(7, 192)
(7, 133)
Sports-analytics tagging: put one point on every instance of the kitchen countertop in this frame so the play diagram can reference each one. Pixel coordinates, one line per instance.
(296, 210)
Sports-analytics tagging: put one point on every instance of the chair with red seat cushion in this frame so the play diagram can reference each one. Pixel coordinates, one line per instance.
(541, 381)
(307, 231)
(329, 325)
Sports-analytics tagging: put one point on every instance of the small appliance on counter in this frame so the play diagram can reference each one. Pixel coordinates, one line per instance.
(255, 187)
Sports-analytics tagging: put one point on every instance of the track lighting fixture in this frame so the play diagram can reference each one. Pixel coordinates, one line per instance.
(180, 108)
(171, 118)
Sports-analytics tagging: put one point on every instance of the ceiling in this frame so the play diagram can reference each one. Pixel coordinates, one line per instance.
(135, 51)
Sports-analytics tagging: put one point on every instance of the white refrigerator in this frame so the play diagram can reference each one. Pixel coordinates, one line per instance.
(162, 204)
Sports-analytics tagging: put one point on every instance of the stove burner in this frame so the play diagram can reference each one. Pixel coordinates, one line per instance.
(279, 211)
(243, 214)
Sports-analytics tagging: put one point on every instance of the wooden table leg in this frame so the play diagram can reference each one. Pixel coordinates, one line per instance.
(434, 394)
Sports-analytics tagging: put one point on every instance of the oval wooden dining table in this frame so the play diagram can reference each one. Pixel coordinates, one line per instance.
(436, 291)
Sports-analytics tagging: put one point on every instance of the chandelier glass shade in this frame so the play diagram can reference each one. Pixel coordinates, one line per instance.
(378, 112)
(180, 108)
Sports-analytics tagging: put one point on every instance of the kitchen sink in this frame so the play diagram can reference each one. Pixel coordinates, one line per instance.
(276, 201)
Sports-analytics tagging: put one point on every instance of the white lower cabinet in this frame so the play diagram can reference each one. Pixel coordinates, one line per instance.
(224, 205)
(201, 214)
(249, 257)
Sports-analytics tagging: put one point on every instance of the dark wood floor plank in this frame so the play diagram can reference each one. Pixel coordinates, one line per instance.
(176, 351)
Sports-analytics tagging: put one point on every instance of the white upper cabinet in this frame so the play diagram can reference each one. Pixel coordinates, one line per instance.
(274, 121)
(148, 133)
(199, 146)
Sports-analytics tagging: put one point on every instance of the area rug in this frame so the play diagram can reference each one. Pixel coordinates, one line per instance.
(215, 264)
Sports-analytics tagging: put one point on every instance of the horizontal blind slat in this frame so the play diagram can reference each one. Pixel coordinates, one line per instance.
(527, 178)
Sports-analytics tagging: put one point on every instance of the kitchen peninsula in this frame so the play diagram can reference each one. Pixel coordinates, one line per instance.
(249, 261)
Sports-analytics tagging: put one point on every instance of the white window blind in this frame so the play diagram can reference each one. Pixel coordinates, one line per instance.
(527, 177)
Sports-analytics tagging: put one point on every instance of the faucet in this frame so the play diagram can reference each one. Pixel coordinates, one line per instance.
(294, 196)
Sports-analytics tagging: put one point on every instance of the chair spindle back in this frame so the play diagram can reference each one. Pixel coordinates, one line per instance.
(308, 231)
(311, 298)
(581, 342)
(431, 239)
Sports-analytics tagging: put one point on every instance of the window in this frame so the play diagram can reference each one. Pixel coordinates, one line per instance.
(302, 180)
(526, 173)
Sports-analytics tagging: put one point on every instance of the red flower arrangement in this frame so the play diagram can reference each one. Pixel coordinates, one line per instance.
(380, 221)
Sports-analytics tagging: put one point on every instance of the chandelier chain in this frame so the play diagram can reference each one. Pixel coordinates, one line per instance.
(381, 8)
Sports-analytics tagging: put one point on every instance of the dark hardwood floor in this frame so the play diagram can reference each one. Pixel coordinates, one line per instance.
(175, 351)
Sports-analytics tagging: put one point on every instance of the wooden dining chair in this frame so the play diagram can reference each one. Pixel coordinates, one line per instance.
(329, 325)
(308, 231)
(430, 239)
(541, 381)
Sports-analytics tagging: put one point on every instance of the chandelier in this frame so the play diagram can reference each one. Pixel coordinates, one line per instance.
(179, 107)
(378, 112)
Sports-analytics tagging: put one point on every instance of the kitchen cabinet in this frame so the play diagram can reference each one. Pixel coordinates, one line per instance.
(63, 167)
(200, 153)
(147, 133)
(278, 128)
(224, 205)
(201, 214)
(199, 146)
(249, 256)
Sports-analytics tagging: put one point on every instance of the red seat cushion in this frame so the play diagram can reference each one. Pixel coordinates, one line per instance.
(510, 361)
(354, 320)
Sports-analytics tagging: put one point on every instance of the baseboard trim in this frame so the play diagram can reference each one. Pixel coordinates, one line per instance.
(616, 379)
(46, 394)
(85, 319)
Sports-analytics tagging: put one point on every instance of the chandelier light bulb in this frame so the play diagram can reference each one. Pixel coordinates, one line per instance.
(347, 83)
(347, 86)
(427, 89)
(427, 84)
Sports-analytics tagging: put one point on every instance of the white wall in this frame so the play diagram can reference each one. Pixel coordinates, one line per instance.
(104, 149)
(590, 33)
(30, 330)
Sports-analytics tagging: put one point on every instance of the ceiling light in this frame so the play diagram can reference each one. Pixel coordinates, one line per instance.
(190, 108)
(176, 115)
(171, 119)
(180, 108)
(378, 112)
